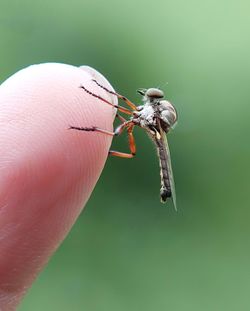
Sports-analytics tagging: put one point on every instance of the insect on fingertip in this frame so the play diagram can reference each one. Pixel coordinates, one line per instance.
(156, 116)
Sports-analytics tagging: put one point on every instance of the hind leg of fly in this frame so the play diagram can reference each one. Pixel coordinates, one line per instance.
(132, 145)
(129, 125)
(92, 129)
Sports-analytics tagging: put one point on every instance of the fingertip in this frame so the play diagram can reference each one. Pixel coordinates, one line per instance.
(47, 172)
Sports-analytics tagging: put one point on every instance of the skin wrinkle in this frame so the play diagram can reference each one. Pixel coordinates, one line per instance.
(47, 171)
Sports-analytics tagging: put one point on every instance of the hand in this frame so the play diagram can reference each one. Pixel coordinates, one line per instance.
(47, 172)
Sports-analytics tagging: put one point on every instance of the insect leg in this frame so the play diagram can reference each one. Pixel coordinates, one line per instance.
(127, 101)
(92, 129)
(123, 120)
(120, 108)
(131, 138)
(128, 124)
(132, 146)
(117, 132)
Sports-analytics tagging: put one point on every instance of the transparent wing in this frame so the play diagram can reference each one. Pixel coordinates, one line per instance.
(170, 171)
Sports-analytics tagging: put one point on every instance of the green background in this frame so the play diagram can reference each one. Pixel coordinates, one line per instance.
(127, 251)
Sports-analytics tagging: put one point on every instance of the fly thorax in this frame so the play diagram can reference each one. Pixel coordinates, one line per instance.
(146, 115)
(167, 113)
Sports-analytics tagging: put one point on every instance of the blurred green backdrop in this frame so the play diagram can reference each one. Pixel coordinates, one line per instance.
(127, 251)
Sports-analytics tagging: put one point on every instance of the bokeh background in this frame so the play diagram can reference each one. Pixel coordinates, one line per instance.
(127, 251)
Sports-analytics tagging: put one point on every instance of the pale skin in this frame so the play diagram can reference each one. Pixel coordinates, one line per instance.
(47, 171)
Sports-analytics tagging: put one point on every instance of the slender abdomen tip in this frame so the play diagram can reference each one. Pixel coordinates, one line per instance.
(165, 193)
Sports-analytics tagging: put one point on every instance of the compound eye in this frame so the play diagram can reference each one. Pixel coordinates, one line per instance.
(167, 112)
(155, 93)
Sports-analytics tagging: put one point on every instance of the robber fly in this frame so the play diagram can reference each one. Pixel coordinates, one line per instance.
(157, 116)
